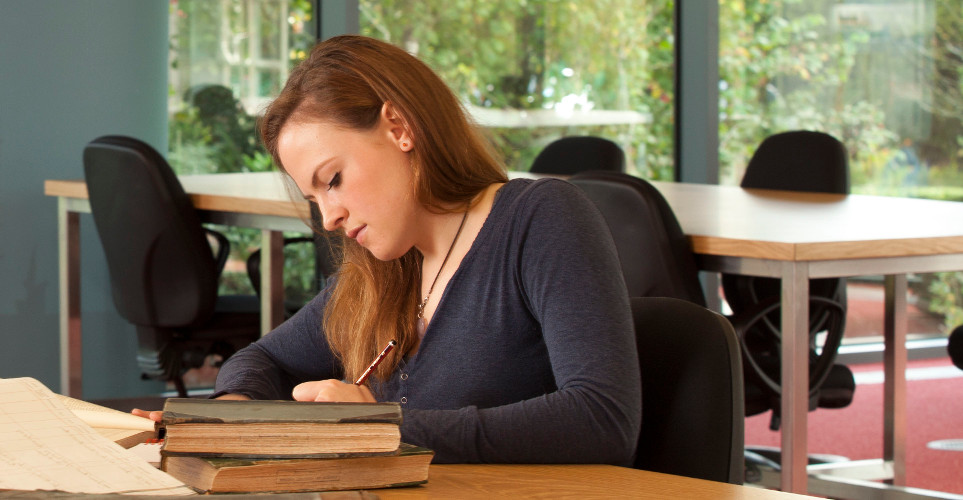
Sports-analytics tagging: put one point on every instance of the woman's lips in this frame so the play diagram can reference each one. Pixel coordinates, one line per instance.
(357, 232)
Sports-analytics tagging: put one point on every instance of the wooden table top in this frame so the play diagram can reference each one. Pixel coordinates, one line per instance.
(782, 225)
(259, 193)
(487, 482)
(719, 220)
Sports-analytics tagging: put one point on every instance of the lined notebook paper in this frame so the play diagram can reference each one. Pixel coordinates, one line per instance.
(45, 446)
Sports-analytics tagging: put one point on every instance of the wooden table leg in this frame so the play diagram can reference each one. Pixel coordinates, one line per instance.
(272, 282)
(71, 345)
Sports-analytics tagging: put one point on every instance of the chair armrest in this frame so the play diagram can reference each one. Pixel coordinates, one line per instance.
(254, 262)
(756, 316)
(223, 249)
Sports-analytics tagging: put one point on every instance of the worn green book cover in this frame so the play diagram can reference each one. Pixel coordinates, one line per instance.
(193, 410)
(227, 475)
(279, 429)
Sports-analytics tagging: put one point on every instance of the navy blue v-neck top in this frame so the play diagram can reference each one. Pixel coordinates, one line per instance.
(530, 356)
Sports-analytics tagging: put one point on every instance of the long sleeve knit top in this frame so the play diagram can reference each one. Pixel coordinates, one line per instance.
(529, 357)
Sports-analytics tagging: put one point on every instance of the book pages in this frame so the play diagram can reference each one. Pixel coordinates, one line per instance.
(98, 416)
(45, 446)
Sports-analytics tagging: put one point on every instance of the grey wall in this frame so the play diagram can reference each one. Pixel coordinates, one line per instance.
(70, 71)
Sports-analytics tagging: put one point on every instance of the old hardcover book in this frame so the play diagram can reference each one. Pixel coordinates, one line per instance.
(122, 428)
(279, 429)
(233, 475)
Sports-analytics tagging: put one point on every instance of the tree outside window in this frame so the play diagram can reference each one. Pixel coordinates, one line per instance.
(228, 59)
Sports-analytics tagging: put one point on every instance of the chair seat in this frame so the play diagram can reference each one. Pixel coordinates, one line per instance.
(836, 391)
(238, 304)
(234, 324)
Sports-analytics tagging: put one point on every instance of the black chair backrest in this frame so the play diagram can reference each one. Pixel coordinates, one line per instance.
(954, 346)
(162, 270)
(799, 160)
(656, 258)
(692, 392)
(573, 154)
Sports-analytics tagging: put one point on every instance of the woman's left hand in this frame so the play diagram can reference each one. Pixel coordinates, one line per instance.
(332, 390)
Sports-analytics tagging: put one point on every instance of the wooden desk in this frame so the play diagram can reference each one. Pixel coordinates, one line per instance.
(487, 482)
(791, 236)
(797, 236)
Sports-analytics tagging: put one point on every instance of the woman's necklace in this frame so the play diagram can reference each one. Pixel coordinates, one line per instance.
(420, 325)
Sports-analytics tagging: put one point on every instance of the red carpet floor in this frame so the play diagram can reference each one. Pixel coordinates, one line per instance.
(934, 412)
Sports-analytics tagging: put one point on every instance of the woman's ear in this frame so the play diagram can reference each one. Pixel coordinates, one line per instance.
(397, 127)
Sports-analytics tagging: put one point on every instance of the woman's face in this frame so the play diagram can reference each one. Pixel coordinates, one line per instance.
(362, 181)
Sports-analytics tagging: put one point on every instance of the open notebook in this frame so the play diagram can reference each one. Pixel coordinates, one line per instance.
(48, 446)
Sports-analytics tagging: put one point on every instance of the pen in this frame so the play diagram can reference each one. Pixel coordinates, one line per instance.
(375, 363)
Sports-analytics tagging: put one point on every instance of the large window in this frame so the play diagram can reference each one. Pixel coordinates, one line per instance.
(228, 59)
(531, 72)
(883, 76)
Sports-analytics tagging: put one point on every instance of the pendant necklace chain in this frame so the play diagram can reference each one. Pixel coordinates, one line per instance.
(421, 307)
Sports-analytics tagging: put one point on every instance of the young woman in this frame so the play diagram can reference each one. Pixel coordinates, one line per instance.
(513, 329)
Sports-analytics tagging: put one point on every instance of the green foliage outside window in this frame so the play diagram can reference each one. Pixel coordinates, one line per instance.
(885, 78)
(600, 55)
(211, 130)
(894, 97)
(783, 65)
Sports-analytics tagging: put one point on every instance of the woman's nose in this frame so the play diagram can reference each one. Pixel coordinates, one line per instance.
(332, 216)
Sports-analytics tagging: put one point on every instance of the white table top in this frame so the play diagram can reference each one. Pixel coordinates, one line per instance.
(753, 223)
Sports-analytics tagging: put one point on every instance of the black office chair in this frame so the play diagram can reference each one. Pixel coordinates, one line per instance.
(954, 346)
(692, 393)
(799, 160)
(326, 251)
(657, 261)
(163, 272)
(808, 161)
(573, 154)
(654, 253)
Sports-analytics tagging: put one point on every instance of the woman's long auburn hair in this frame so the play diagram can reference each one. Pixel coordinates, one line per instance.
(346, 80)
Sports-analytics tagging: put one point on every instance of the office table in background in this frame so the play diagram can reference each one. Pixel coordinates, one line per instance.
(786, 235)
(797, 236)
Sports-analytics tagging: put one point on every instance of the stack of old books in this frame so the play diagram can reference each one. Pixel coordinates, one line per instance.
(220, 446)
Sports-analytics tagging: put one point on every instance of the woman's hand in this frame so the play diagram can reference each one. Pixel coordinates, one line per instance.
(156, 415)
(332, 390)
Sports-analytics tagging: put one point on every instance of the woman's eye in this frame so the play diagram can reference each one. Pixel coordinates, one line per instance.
(335, 181)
